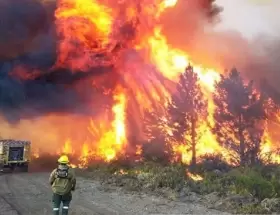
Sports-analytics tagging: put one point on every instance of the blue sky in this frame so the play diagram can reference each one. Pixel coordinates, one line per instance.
(251, 17)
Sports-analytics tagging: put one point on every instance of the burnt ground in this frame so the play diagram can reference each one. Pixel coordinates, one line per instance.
(29, 193)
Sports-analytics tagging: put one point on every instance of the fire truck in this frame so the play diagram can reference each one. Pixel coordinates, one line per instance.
(15, 154)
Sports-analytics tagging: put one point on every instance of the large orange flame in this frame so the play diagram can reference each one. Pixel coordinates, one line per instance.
(87, 29)
(113, 141)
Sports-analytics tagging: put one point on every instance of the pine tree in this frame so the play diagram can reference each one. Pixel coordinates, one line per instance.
(157, 131)
(186, 109)
(239, 116)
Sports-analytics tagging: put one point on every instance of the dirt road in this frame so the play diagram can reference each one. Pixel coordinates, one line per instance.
(29, 193)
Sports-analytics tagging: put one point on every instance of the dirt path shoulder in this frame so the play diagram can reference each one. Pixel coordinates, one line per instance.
(29, 194)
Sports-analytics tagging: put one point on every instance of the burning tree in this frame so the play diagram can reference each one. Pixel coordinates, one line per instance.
(186, 109)
(157, 131)
(239, 117)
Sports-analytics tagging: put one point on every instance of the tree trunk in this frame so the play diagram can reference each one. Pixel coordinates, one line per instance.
(193, 137)
(241, 143)
(255, 150)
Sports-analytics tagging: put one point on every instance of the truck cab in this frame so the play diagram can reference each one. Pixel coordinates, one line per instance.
(15, 154)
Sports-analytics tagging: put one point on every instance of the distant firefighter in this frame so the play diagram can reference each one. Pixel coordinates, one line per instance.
(63, 182)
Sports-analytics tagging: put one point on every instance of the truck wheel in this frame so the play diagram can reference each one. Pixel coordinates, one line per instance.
(12, 168)
(24, 168)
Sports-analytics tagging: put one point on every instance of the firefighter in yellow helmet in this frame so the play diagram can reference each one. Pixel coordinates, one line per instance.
(63, 182)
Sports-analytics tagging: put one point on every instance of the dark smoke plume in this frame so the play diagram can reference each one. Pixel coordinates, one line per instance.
(29, 84)
(21, 22)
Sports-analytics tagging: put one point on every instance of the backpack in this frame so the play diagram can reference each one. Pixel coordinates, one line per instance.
(62, 172)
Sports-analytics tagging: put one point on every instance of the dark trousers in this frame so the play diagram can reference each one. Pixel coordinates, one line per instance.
(65, 200)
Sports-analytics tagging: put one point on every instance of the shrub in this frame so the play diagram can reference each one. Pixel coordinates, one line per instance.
(213, 183)
(172, 176)
(239, 181)
(211, 163)
(269, 171)
(276, 184)
(251, 209)
(254, 183)
(157, 151)
(262, 188)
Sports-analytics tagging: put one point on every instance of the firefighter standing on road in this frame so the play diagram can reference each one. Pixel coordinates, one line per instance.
(63, 181)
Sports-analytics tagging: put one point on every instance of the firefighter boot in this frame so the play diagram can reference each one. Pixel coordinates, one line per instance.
(56, 204)
(65, 207)
(55, 211)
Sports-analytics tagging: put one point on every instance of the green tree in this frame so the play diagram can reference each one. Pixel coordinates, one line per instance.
(239, 117)
(186, 110)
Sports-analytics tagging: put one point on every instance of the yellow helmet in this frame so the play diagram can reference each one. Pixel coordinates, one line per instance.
(63, 159)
